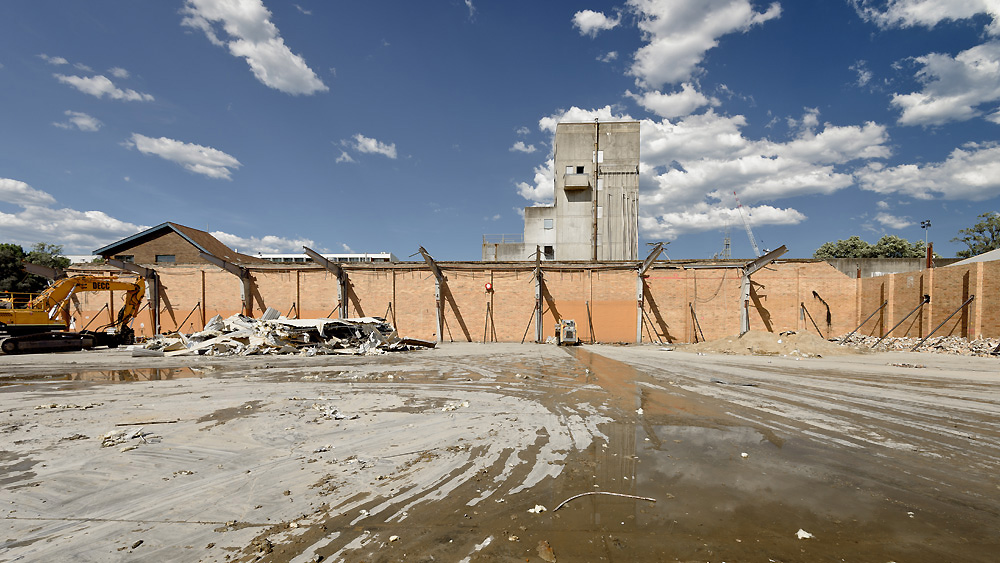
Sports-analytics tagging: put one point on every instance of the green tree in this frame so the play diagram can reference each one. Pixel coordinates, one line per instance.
(12, 274)
(853, 247)
(889, 246)
(981, 237)
(48, 255)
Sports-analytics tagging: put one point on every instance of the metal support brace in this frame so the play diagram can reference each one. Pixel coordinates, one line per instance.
(924, 301)
(640, 283)
(152, 287)
(337, 271)
(44, 271)
(539, 280)
(921, 343)
(246, 280)
(749, 270)
(875, 312)
(439, 280)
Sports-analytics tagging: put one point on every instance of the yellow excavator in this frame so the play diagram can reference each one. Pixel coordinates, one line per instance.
(35, 325)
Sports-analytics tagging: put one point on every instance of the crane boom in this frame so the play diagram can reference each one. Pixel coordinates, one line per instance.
(746, 223)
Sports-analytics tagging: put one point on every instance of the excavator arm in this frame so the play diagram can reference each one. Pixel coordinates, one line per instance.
(34, 328)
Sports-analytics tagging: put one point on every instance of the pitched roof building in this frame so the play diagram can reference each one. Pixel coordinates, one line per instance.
(170, 243)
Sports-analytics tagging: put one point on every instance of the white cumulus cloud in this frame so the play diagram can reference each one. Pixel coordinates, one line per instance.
(928, 13)
(678, 33)
(521, 147)
(675, 104)
(971, 173)
(80, 120)
(892, 221)
(591, 23)
(57, 61)
(954, 87)
(268, 244)
(100, 86)
(373, 146)
(20, 193)
(251, 35)
(195, 158)
(542, 187)
(79, 232)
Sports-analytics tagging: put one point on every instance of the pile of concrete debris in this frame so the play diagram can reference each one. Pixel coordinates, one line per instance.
(955, 345)
(271, 334)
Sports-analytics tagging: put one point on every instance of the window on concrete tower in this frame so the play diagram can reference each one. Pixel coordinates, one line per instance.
(547, 223)
(580, 170)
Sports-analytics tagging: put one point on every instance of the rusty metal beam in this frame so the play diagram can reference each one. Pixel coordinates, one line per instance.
(337, 271)
(749, 269)
(152, 287)
(439, 280)
(44, 271)
(640, 284)
(246, 279)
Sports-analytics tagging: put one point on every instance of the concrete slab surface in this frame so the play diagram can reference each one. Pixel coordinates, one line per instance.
(446, 455)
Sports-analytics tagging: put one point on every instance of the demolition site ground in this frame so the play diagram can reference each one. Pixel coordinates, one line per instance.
(465, 452)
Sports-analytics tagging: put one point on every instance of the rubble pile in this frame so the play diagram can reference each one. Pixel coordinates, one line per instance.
(954, 345)
(761, 343)
(240, 335)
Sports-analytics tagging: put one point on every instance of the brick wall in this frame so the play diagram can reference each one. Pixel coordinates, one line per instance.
(169, 243)
(796, 295)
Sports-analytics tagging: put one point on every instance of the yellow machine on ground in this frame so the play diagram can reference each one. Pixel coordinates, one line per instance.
(36, 325)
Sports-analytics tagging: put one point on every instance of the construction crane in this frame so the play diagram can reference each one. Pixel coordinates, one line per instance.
(746, 223)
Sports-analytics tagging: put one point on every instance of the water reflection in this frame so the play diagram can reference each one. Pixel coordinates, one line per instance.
(104, 376)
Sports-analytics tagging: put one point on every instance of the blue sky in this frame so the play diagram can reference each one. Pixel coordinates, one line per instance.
(383, 126)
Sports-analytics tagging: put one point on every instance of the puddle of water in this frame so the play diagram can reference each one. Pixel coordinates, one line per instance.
(104, 376)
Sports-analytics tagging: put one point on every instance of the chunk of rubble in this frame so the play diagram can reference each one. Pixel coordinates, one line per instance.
(954, 345)
(245, 336)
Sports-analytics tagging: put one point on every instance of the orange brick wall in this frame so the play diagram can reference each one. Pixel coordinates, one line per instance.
(405, 293)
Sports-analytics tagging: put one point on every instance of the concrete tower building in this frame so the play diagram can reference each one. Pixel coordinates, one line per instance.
(595, 215)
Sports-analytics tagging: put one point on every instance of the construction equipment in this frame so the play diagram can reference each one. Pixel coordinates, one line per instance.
(566, 333)
(746, 223)
(35, 326)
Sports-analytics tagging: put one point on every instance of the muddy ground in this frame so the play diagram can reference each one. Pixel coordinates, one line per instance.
(446, 455)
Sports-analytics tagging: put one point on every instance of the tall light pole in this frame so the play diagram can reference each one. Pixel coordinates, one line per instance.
(925, 225)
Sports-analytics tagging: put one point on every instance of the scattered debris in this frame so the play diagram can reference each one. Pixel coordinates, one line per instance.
(393, 538)
(762, 343)
(116, 437)
(744, 455)
(240, 335)
(905, 365)
(538, 509)
(545, 552)
(563, 503)
(954, 345)
(455, 406)
(331, 412)
(737, 383)
(803, 535)
(69, 406)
